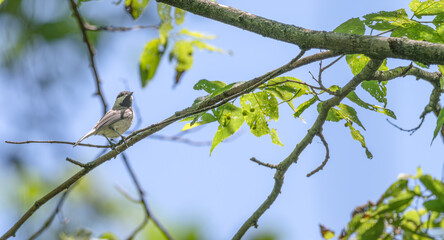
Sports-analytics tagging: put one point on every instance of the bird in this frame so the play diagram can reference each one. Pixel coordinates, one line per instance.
(116, 121)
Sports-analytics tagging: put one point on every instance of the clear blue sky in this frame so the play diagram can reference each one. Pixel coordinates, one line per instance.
(183, 183)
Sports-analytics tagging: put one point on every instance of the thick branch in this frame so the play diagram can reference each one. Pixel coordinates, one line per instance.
(143, 133)
(379, 47)
(283, 166)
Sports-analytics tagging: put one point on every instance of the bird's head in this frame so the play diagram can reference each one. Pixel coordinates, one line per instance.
(124, 99)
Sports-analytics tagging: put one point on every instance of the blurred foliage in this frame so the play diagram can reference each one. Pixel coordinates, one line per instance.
(411, 208)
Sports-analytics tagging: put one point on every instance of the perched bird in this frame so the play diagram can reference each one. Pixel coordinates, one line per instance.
(116, 121)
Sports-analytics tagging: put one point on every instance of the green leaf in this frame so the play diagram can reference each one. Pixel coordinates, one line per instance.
(358, 137)
(434, 205)
(357, 62)
(196, 35)
(348, 113)
(149, 61)
(230, 119)
(286, 88)
(304, 106)
(395, 189)
(183, 53)
(434, 185)
(221, 90)
(205, 118)
(429, 7)
(374, 231)
(135, 7)
(275, 138)
(377, 89)
(179, 15)
(108, 236)
(164, 31)
(439, 123)
(257, 106)
(1, 1)
(418, 31)
(164, 12)
(354, 223)
(205, 46)
(354, 98)
(209, 86)
(351, 26)
(384, 21)
(441, 81)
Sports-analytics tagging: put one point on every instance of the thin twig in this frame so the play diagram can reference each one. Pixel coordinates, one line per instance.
(81, 23)
(76, 162)
(148, 214)
(411, 131)
(91, 27)
(60, 142)
(262, 163)
(333, 62)
(126, 195)
(327, 156)
(52, 216)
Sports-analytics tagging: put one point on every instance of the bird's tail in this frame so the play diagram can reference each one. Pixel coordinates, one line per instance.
(86, 135)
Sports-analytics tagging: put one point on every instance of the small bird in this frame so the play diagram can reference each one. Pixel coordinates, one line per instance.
(116, 121)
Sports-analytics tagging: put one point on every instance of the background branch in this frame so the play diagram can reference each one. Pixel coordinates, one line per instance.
(143, 202)
(95, 28)
(81, 24)
(327, 156)
(60, 142)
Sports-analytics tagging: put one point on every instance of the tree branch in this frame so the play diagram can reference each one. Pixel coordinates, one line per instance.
(142, 201)
(52, 216)
(253, 159)
(381, 47)
(95, 28)
(145, 132)
(60, 142)
(327, 156)
(90, 52)
(366, 73)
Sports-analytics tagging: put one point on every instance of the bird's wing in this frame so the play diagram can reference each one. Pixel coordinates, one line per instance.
(110, 117)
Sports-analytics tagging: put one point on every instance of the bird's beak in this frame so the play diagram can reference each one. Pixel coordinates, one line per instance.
(131, 93)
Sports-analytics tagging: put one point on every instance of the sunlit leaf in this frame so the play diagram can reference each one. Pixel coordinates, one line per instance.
(179, 15)
(354, 98)
(164, 32)
(256, 107)
(108, 236)
(441, 81)
(230, 119)
(301, 108)
(351, 26)
(377, 89)
(384, 21)
(418, 31)
(1, 1)
(196, 35)
(275, 138)
(204, 119)
(348, 113)
(395, 189)
(434, 185)
(164, 12)
(358, 137)
(149, 61)
(183, 54)
(209, 86)
(326, 233)
(205, 46)
(357, 62)
(135, 7)
(439, 123)
(429, 7)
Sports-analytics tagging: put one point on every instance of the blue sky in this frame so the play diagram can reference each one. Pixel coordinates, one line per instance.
(183, 183)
